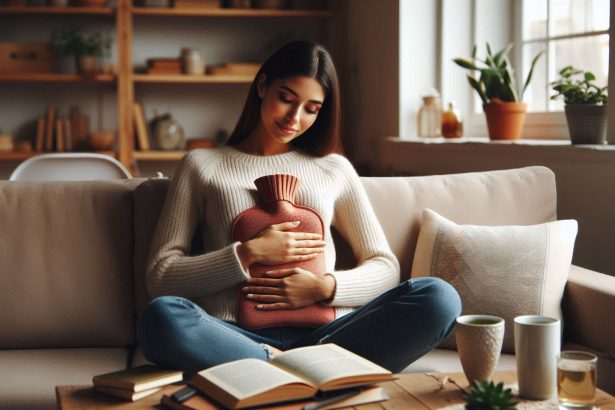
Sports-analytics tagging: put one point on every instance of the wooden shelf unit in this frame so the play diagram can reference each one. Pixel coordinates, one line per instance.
(192, 79)
(158, 155)
(56, 10)
(21, 156)
(56, 78)
(125, 81)
(160, 11)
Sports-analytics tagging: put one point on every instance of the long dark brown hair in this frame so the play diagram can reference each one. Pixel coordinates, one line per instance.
(299, 58)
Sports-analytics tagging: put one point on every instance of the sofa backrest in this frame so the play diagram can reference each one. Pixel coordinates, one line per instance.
(522, 196)
(66, 276)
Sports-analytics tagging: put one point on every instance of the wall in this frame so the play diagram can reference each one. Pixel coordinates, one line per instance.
(372, 75)
(584, 177)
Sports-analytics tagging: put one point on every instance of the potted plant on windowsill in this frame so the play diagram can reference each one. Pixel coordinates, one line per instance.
(586, 105)
(496, 85)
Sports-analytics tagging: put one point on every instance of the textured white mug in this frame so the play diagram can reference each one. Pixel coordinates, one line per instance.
(537, 344)
(479, 342)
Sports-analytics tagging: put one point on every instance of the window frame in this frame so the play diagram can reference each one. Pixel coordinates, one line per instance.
(543, 124)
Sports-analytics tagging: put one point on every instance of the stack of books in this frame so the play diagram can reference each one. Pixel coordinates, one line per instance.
(322, 376)
(164, 66)
(136, 383)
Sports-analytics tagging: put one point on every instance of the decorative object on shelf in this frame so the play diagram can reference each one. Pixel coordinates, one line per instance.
(430, 115)
(141, 127)
(101, 140)
(488, 395)
(194, 143)
(22, 146)
(25, 58)
(90, 49)
(65, 45)
(6, 142)
(167, 133)
(586, 105)
(164, 66)
(452, 125)
(243, 69)
(193, 62)
(497, 88)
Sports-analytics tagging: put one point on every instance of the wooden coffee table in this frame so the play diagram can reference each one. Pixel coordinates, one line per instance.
(409, 391)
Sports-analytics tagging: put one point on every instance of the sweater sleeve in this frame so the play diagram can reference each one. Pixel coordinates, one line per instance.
(378, 269)
(171, 270)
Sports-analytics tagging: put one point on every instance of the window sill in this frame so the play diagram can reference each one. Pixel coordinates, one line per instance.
(487, 141)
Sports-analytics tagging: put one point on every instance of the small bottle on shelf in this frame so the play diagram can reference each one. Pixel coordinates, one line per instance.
(452, 124)
(430, 116)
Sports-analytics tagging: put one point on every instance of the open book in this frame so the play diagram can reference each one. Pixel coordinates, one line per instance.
(293, 375)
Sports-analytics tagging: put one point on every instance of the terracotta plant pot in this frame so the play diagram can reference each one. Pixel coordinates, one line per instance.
(586, 123)
(505, 119)
(87, 64)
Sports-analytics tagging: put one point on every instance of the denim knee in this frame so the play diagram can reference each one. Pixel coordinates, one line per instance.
(444, 301)
(158, 317)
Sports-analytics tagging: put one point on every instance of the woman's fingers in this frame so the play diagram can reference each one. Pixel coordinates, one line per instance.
(266, 298)
(307, 251)
(263, 290)
(309, 244)
(285, 226)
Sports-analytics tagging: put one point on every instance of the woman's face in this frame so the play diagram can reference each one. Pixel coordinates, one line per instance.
(289, 107)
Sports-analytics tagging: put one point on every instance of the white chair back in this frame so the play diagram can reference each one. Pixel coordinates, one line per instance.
(70, 167)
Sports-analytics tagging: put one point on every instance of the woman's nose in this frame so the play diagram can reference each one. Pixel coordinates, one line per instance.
(293, 115)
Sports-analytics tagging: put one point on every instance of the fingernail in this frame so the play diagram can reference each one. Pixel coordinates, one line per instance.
(296, 222)
(250, 295)
(259, 306)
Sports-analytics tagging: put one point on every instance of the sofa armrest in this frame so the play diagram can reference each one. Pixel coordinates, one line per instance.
(588, 306)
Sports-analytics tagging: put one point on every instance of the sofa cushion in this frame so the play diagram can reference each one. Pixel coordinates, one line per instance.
(506, 271)
(524, 196)
(29, 377)
(66, 264)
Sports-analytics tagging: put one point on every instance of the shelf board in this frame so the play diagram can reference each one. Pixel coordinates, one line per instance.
(108, 11)
(219, 12)
(158, 155)
(20, 156)
(192, 79)
(56, 78)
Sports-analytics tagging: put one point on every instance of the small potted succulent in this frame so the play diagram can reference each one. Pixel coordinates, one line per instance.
(90, 49)
(486, 395)
(496, 85)
(585, 105)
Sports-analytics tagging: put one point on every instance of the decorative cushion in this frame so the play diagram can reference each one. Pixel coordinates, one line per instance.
(504, 271)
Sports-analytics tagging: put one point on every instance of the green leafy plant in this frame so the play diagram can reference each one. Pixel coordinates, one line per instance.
(91, 45)
(483, 395)
(577, 87)
(65, 41)
(496, 79)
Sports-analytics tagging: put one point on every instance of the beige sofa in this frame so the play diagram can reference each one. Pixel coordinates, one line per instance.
(73, 255)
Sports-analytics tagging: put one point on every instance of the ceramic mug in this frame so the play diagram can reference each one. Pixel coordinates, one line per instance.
(537, 345)
(479, 343)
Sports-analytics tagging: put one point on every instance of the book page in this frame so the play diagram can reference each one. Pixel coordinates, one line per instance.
(248, 377)
(323, 363)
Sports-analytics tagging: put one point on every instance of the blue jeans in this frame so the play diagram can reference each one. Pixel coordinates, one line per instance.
(392, 330)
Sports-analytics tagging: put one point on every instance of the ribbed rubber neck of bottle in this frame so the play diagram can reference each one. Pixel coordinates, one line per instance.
(278, 187)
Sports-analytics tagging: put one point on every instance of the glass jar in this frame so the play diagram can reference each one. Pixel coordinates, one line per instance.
(430, 116)
(452, 125)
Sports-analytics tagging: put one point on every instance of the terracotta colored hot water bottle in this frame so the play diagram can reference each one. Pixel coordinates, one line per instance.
(276, 195)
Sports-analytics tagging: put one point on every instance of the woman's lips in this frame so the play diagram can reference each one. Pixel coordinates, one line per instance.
(285, 130)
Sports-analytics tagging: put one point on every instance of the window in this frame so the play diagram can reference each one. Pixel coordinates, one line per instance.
(572, 32)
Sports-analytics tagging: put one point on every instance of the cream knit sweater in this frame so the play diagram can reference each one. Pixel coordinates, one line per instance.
(213, 186)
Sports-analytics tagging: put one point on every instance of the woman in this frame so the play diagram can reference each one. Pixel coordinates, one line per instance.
(289, 125)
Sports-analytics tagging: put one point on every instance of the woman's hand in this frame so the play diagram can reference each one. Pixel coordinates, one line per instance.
(276, 245)
(292, 288)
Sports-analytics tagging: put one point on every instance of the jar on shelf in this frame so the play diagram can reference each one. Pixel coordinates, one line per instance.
(192, 61)
(452, 124)
(430, 116)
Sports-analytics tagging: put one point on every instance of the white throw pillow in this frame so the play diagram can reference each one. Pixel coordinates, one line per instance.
(504, 271)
